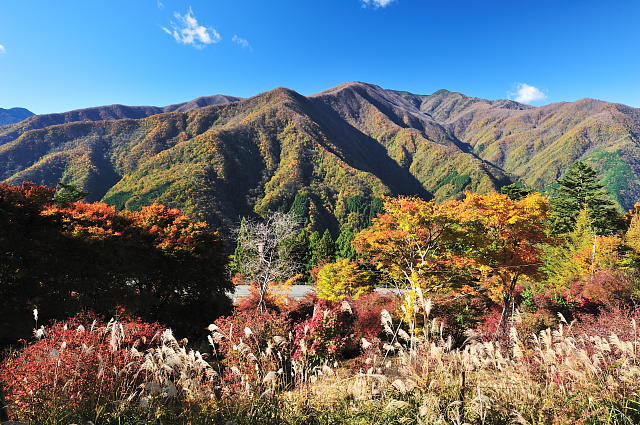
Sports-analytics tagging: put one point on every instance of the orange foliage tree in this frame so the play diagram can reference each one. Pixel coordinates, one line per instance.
(487, 239)
(503, 237)
(416, 243)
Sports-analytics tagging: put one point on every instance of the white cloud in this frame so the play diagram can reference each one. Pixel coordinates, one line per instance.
(242, 42)
(377, 3)
(187, 30)
(526, 93)
(2, 49)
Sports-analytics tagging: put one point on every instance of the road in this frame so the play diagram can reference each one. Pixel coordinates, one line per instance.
(297, 291)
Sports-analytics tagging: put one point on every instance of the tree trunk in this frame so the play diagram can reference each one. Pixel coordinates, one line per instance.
(4, 414)
(507, 301)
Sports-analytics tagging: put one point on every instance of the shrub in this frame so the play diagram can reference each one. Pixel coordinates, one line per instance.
(297, 311)
(327, 334)
(250, 346)
(251, 303)
(157, 262)
(368, 309)
(606, 287)
(77, 369)
(616, 320)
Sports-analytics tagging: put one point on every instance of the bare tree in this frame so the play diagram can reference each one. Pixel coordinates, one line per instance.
(265, 250)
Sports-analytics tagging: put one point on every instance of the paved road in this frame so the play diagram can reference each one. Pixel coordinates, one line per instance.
(297, 291)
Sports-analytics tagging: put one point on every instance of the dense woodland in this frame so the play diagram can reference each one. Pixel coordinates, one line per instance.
(512, 306)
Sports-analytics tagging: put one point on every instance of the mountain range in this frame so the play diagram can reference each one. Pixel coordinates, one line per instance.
(222, 157)
(14, 115)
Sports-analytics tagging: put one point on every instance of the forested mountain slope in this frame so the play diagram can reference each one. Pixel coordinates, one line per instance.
(243, 156)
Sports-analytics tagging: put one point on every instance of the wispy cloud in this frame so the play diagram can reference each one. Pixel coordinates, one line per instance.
(160, 4)
(2, 49)
(186, 30)
(242, 42)
(376, 3)
(525, 93)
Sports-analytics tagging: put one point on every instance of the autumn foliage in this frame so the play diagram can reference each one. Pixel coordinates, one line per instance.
(155, 262)
(77, 364)
(343, 279)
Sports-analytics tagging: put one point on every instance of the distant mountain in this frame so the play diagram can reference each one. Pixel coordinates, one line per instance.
(252, 156)
(13, 115)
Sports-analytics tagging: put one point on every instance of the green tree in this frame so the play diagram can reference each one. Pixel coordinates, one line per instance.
(241, 252)
(362, 210)
(515, 191)
(579, 189)
(559, 265)
(325, 249)
(296, 247)
(67, 194)
(344, 247)
(321, 249)
(300, 207)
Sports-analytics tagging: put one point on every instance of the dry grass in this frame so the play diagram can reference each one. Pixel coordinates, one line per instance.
(558, 376)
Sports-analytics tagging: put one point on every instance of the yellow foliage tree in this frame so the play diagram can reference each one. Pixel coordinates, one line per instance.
(632, 237)
(584, 253)
(343, 279)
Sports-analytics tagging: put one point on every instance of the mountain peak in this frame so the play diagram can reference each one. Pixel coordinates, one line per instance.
(14, 115)
(351, 85)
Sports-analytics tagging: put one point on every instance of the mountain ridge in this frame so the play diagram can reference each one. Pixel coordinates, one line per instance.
(252, 156)
(108, 112)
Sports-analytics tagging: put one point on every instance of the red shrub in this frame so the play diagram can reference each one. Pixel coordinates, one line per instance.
(614, 320)
(247, 343)
(76, 363)
(327, 334)
(252, 301)
(368, 309)
(604, 288)
(486, 328)
(297, 311)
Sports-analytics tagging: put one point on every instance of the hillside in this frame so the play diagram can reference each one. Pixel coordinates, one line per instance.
(102, 113)
(226, 158)
(13, 115)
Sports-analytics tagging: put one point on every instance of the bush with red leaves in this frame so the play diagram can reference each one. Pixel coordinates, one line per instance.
(76, 366)
(368, 309)
(327, 334)
(297, 311)
(605, 289)
(249, 344)
(251, 302)
(621, 321)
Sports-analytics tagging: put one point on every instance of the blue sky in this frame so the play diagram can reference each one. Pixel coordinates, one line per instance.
(68, 54)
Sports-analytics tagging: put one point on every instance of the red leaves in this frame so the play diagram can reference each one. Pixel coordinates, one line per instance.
(28, 194)
(172, 230)
(76, 362)
(168, 228)
(327, 334)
